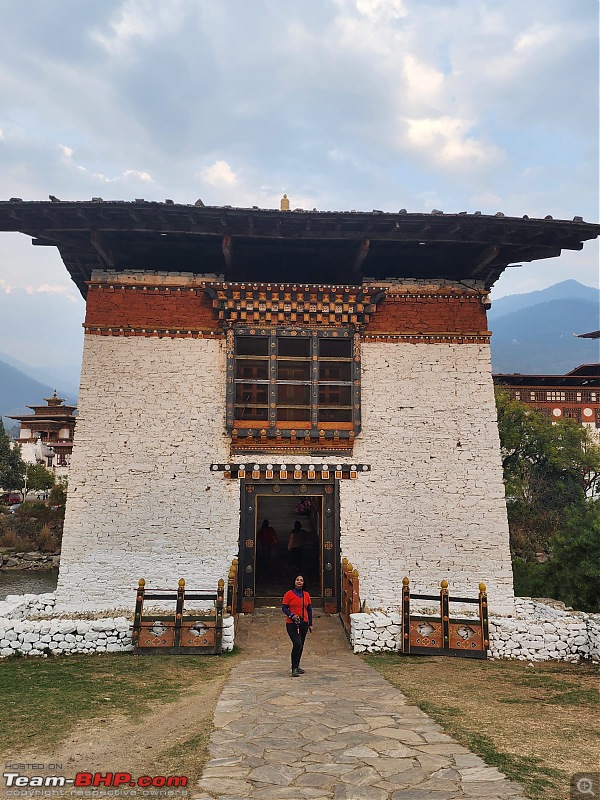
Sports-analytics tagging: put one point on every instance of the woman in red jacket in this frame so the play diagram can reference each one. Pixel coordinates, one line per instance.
(297, 607)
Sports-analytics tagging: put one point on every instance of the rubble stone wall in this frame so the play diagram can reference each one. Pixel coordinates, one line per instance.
(537, 632)
(60, 636)
(432, 506)
(142, 502)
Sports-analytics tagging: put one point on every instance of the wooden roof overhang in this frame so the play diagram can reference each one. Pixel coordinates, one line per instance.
(43, 419)
(252, 244)
(53, 411)
(563, 381)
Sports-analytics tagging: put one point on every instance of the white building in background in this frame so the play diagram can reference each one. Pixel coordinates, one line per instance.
(46, 436)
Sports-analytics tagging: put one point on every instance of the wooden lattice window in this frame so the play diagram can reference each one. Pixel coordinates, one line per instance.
(572, 413)
(281, 380)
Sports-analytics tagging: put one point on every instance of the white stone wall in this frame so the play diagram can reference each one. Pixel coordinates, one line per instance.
(542, 632)
(536, 632)
(142, 502)
(56, 636)
(433, 505)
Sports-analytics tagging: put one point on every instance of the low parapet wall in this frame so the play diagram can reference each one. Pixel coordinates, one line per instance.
(538, 631)
(20, 634)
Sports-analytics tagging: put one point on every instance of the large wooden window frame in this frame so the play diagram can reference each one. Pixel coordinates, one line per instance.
(290, 380)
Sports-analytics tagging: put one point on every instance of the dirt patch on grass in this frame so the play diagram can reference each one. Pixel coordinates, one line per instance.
(538, 723)
(158, 743)
(141, 730)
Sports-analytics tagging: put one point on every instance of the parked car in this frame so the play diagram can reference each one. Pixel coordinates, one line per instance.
(10, 498)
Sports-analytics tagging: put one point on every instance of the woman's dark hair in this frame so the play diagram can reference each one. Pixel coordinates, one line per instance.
(265, 523)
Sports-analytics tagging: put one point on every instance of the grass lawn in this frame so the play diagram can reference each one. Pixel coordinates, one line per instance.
(539, 724)
(43, 700)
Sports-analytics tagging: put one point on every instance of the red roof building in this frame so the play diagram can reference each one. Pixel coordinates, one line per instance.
(575, 395)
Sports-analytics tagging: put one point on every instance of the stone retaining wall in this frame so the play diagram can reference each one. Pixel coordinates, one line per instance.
(30, 561)
(60, 636)
(538, 631)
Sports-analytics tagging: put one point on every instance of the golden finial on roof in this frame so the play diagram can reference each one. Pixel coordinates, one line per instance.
(55, 400)
(285, 203)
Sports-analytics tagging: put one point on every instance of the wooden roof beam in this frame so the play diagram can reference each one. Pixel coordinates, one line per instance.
(99, 244)
(489, 254)
(535, 253)
(227, 246)
(361, 254)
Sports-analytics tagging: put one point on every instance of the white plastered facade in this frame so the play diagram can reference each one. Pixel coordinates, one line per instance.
(432, 507)
(144, 503)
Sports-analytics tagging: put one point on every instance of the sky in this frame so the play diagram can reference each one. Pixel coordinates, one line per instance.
(343, 104)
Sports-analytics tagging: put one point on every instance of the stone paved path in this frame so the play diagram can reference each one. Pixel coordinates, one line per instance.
(339, 732)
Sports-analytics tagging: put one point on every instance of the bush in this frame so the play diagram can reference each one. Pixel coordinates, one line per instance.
(58, 494)
(529, 578)
(33, 527)
(572, 573)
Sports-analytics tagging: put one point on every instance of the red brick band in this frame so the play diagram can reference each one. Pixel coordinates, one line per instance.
(176, 312)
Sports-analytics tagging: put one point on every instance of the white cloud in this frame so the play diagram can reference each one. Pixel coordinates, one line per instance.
(1, 134)
(537, 38)
(125, 176)
(375, 9)
(378, 9)
(424, 83)
(142, 20)
(445, 141)
(145, 177)
(219, 174)
(54, 289)
(341, 104)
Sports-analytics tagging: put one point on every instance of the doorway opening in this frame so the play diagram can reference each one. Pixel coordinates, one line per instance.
(266, 566)
(288, 543)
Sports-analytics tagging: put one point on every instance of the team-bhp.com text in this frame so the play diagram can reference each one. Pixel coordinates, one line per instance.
(94, 779)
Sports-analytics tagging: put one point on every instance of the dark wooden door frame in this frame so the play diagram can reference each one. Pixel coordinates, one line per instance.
(330, 539)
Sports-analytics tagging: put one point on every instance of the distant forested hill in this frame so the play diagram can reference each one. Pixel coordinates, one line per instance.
(565, 290)
(535, 332)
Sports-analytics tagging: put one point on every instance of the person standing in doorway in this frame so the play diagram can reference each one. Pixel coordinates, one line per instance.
(266, 540)
(296, 544)
(297, 607)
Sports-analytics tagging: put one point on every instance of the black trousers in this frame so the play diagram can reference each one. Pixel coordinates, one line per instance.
(297, 634)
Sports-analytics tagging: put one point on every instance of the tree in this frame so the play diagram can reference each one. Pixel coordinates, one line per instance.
(12, 467)
(548, 467)
(38, 478)
(573, 572)
(58, 494)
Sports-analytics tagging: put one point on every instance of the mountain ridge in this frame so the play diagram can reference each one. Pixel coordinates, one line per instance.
(542, 340)
(569, 289)
(19, 390)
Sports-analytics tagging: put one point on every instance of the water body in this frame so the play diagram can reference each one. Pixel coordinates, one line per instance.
(27, 582)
